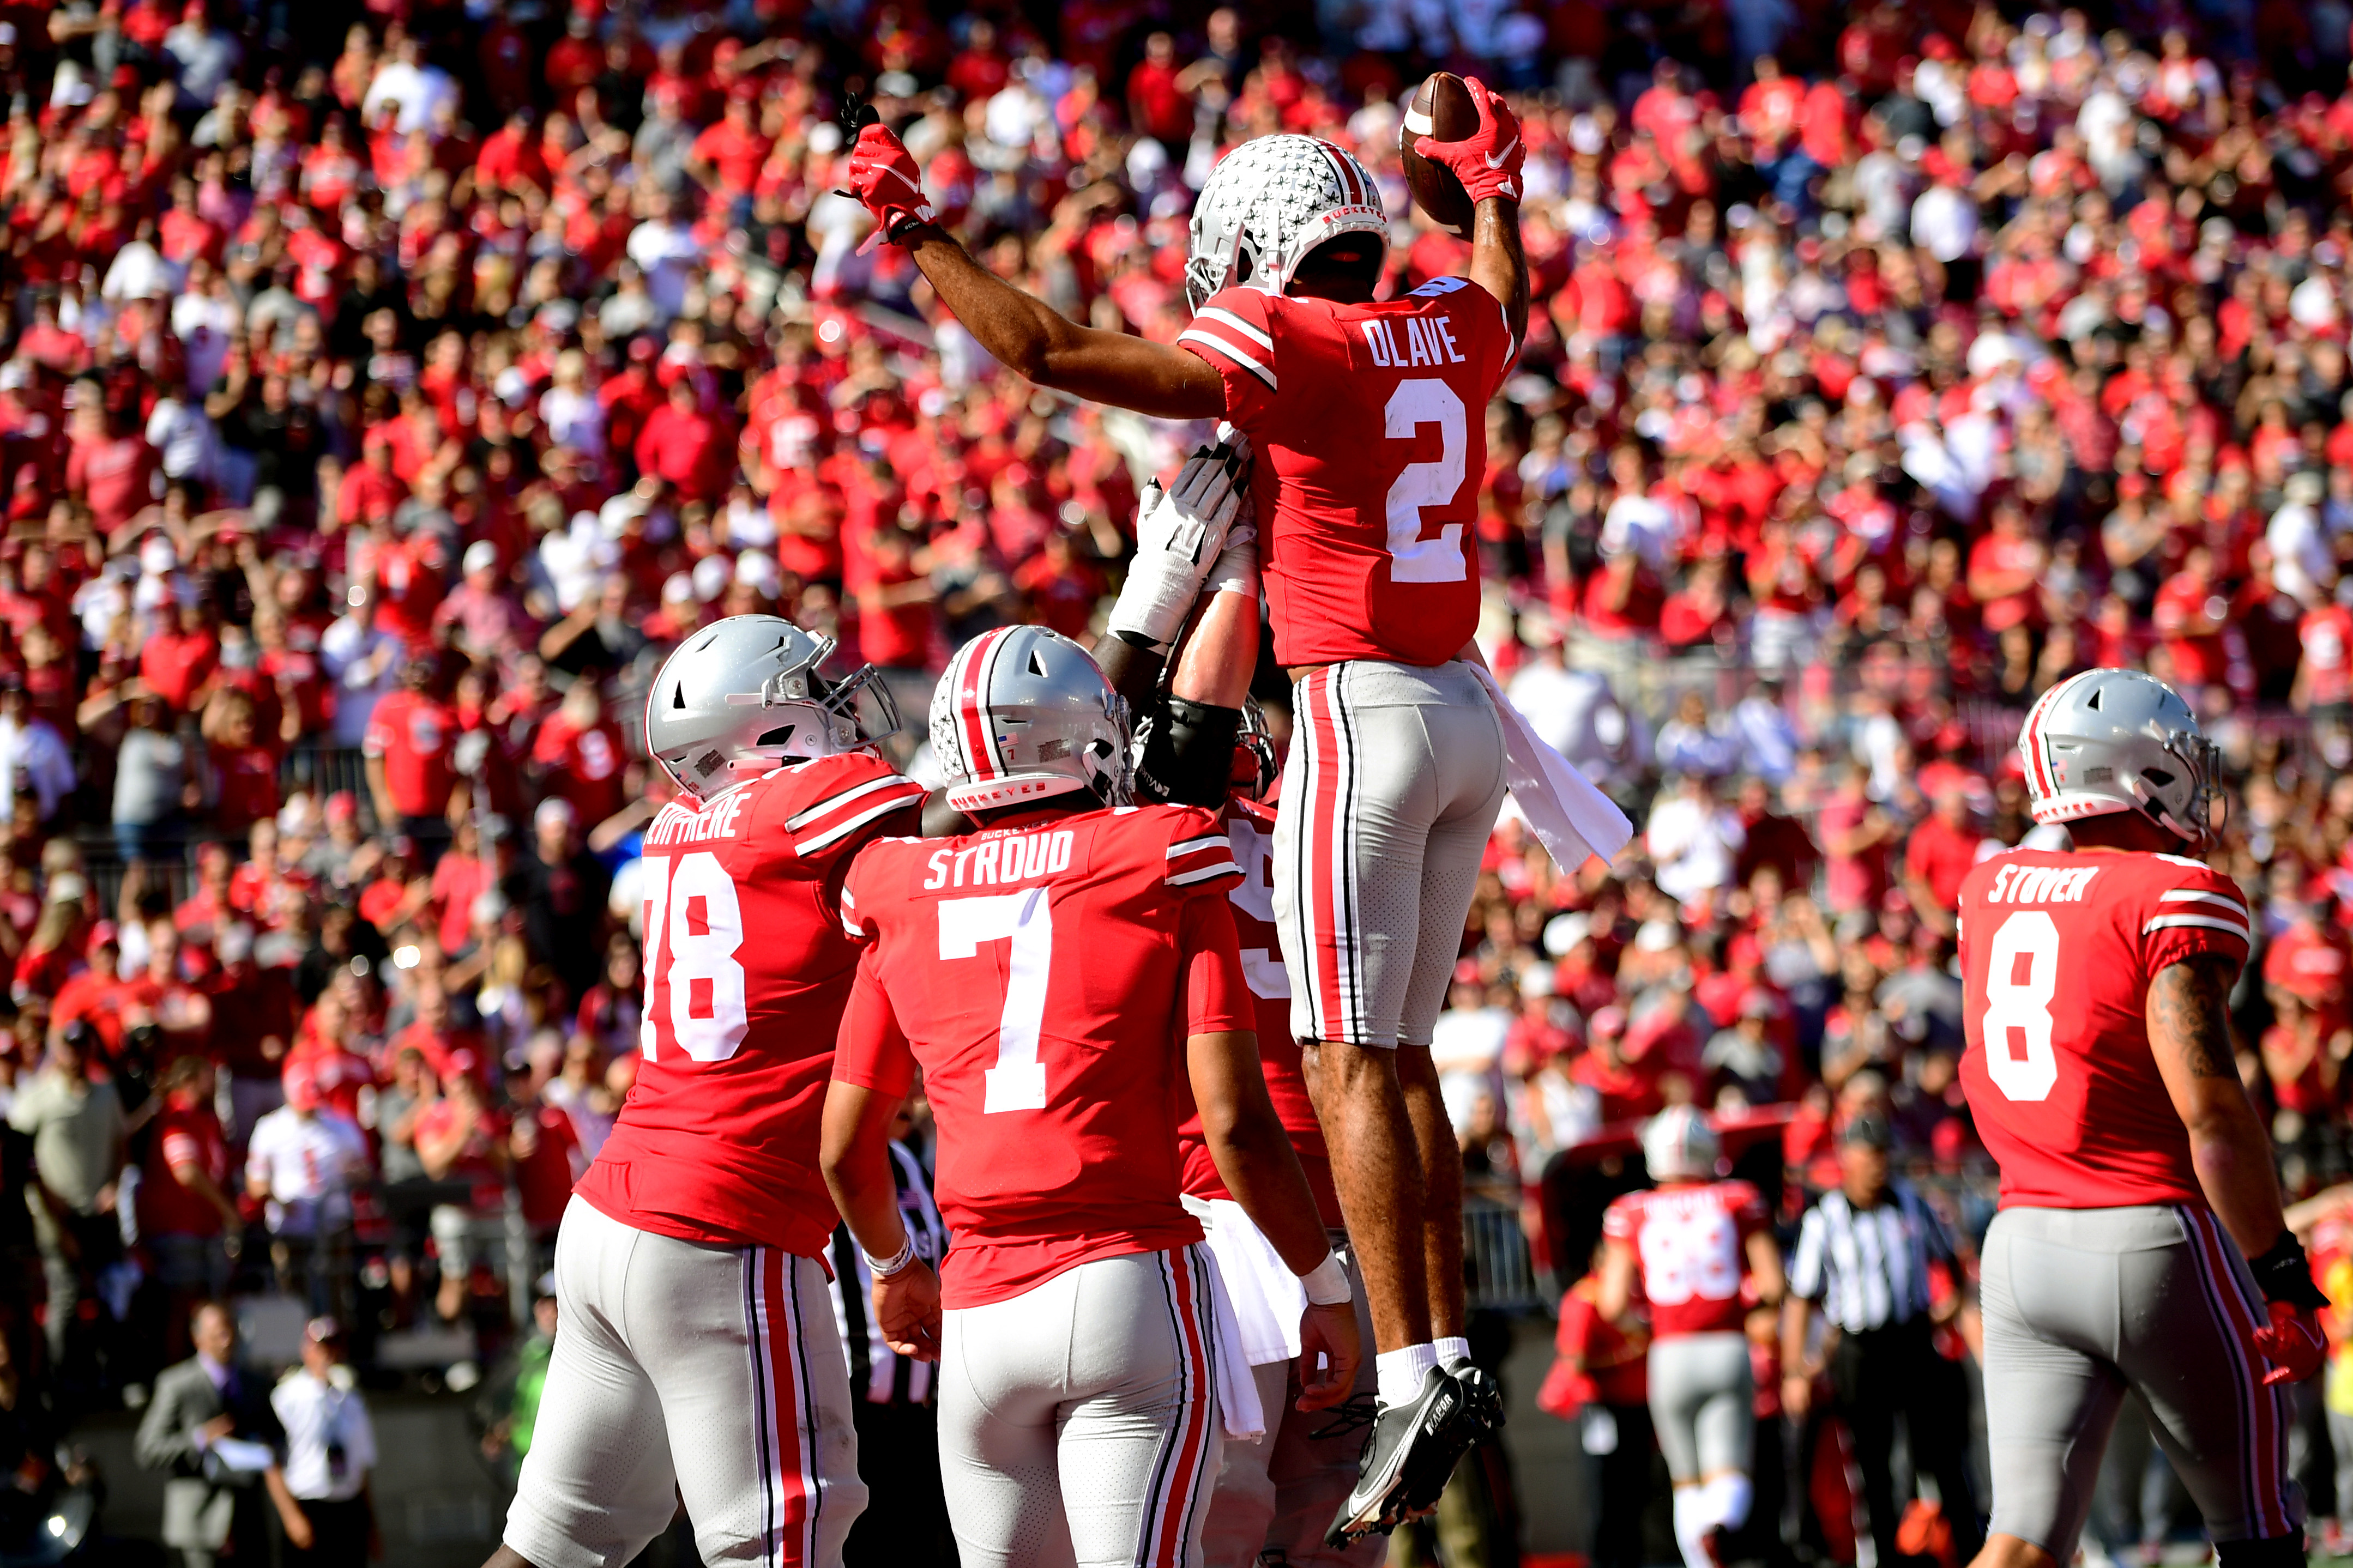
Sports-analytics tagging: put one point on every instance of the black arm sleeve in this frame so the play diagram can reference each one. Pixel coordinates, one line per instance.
(1188, 754)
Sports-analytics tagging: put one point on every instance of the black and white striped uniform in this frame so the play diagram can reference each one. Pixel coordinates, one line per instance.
(878, 1374)
(1869, 1269)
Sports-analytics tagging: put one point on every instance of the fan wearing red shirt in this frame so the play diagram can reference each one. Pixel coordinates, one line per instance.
(2323, 674)
(583, 754)
(183, 1189)
(410, 771)
(1685, 1247)
(176, 663)
(706, 1197)
(1940, 852)
(2136, 1179)
(1060, 978)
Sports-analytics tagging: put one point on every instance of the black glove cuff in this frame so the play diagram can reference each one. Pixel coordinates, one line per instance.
(2285, 1274)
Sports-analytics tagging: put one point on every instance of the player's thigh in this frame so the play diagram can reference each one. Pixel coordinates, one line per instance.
(1241, 1505)
(1724, 1428)
(1003, 1374)
(597, 1483)
(2051, 1392)
(1686, 1373)
(1361, 795)
(742, 1346)
(2188, 1349)
(1141, 1442)
(1467, 742)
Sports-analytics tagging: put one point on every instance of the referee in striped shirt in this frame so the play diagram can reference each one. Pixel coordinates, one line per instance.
(1863, 1254)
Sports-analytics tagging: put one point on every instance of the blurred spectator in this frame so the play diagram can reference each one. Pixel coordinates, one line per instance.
(213, 1512)
(329, 1517)
(69, 1109)
(300, 1165)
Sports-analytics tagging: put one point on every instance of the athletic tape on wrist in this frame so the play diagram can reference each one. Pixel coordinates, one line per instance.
(1327, 1283)
(883, 1268)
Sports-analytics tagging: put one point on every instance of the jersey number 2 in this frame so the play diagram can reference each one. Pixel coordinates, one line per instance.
(1425, 400)
(693, 925)
(1018, 1081)
(2018, 1008)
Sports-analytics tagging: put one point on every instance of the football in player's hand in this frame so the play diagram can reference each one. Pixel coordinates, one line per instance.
(1441, 110)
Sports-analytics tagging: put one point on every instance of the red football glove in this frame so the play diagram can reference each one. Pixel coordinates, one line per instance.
(883, 175)
(1488, 161)
(2292, 1342)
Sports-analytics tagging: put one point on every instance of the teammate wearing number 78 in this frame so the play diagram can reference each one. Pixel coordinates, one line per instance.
(699, 1358)
(2139, 1245)
(1367, 419)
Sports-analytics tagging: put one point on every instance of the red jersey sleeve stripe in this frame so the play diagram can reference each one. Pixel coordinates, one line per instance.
(1229, 352)
(2199, 896)
(1225, 868)
(809, 843)
(1225, 317)
(1193, 845)
(2209, 922)
(832, 803)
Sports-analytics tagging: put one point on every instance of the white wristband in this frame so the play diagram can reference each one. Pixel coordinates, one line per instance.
(1327, 1283)
(883, 1268)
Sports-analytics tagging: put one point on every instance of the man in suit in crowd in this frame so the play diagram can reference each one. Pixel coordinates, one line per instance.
(212, 1512)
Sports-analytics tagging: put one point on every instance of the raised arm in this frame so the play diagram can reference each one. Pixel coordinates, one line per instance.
(1488, 163)
(1049, 348)
(1019, 329)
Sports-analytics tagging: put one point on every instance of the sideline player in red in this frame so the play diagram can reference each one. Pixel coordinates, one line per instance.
(1364, 487)
(2136, 1180)
(1687, 1243)
(1058, 977)
(699, 1359)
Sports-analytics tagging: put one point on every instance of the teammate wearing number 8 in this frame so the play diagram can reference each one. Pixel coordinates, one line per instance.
(2136, 1180)
(1687, 1245)
(699, 1358)
(1367, 422)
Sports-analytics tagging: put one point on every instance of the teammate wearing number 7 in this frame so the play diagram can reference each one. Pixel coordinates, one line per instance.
(1367, 421)
(1058, 977)
(699, 1358)
(2139, 1245)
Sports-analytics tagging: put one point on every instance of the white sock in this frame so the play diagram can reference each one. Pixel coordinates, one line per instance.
(1400, 1373)
(1729, 1499)
(1692, 1526)
(1453, 1351)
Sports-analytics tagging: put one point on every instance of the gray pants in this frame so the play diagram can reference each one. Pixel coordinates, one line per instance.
(1702, 1405)
(1079, 1423)
(1394, 776)
(2083, 1304)
(713, 1375)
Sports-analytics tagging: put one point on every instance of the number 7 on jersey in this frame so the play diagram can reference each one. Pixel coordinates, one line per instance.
(1018, 1081)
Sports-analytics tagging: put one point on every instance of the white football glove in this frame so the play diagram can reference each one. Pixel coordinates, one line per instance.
(1180, 532)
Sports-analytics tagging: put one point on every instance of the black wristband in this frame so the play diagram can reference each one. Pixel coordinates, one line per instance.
(2285, 1274)
(1188, 752)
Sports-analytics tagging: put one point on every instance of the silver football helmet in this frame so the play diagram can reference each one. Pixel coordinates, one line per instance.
(1270, 202)
(2116, 740)
(1678, 1145)
(743, 696)
(1024, 714)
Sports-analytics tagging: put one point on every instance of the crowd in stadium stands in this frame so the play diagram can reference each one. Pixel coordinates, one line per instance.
(383, 387)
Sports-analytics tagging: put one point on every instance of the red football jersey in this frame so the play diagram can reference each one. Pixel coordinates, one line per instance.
(1249, 827)
(1366, 480)
(2057, 952)
(1693, 1245)
(1045, 974)
(746, 974)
